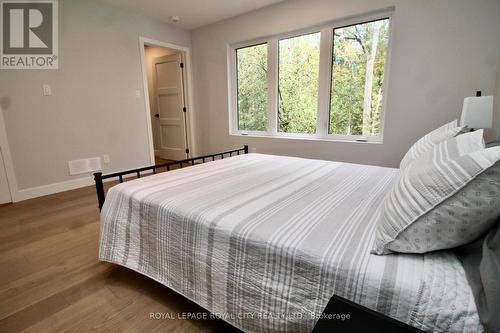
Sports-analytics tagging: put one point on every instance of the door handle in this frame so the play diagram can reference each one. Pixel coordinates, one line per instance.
(157, 115)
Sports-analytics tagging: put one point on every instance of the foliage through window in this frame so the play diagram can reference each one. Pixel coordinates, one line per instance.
(298, 83)
(359, 55)
(252, 87)
(337, 94)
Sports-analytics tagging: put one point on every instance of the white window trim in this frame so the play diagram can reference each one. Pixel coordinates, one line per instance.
(324, 82)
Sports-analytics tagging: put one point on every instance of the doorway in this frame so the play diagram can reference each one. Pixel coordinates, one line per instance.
(167, 101)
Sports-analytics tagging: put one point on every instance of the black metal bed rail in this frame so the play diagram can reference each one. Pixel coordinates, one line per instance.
(99, 177)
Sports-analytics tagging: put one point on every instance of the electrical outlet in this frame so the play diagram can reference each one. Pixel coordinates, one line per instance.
(106, 159)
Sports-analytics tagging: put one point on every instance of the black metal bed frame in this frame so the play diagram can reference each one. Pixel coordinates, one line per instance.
(99, 177)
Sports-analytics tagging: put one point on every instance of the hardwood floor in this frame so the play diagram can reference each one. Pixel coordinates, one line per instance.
(51, 280)
(159, 160)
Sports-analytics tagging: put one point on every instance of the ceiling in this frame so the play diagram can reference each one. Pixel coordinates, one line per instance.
(192, 13)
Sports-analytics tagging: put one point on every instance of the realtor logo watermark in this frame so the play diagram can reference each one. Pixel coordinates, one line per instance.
(29, 33)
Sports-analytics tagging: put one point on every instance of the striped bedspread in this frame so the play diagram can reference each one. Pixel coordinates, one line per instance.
(264, 242)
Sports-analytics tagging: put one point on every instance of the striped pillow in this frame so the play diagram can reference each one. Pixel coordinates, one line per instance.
(453, 148)
(441, 203)
(430, 140)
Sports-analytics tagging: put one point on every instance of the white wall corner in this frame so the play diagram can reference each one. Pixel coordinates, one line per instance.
(33, 192)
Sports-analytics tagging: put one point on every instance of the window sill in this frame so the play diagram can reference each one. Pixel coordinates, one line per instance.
(308, 138)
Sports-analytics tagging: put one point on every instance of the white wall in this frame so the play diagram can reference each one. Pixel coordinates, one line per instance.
(150, 53)
(442, 51)
(93, 110)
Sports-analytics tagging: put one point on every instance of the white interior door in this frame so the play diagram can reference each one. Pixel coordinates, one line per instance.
(169, 107)
(4, 184)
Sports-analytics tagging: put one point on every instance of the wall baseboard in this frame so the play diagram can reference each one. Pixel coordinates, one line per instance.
(39, 191)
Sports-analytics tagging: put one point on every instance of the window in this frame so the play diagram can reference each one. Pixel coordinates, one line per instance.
(298, 83)
(326, 83)
(252, 87)
(359, 55)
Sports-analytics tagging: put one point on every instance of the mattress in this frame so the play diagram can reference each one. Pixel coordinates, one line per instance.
(264, 241)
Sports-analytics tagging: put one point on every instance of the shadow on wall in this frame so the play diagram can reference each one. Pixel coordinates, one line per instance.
(5, 102)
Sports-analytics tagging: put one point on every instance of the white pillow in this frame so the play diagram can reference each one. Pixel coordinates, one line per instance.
(430, 140)
(441, 203)
(453, 148)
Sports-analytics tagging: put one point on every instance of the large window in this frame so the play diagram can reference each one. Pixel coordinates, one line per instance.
(298, 83)
(359, 55)
(326, 83)
(252, 87)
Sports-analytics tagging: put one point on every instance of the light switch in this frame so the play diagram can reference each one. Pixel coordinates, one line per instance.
(106, 159)
(137, 94)
(47, 90)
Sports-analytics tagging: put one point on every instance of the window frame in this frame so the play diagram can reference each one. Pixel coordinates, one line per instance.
(324, 81)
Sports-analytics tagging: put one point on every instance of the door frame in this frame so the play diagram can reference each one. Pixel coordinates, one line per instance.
(188, 92)
(7, 160)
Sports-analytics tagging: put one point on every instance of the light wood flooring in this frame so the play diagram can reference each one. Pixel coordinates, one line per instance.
(51, 280)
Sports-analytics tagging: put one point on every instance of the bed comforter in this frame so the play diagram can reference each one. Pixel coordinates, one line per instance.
(264, 242)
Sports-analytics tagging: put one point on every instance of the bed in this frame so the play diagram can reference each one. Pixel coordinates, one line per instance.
(265, 241)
